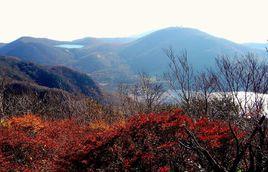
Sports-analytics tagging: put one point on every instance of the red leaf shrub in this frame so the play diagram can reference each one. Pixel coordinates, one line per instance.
(30, 143)
(149, 142)
(145, 142)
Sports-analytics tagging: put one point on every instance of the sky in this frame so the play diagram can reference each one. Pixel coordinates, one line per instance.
(237, 20)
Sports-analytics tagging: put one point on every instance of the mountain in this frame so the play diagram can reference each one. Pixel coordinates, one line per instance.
(144, 33)
(117, 40)
(2, 44)
(22, 97)
(90, 55)
(88, 41)
(52, 92)
(146, 54)
(110, 61)
(260, 46)
(38, 50)
(58, 77)
(103, 64)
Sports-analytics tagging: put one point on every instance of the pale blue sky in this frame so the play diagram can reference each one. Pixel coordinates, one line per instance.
(237, 20)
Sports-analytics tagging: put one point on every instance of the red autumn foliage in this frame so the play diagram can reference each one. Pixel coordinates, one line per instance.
(163, 169)
(146, 142)
(150, 141)
(29, 142)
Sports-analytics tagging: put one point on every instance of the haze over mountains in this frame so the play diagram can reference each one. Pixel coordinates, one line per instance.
(260, 46)
(1, 45)
(146, 54)
(114, 60)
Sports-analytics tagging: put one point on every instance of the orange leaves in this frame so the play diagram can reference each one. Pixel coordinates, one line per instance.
(26, 122)
(150, 141)
(29, 141)
(145, 141)
(99, 125)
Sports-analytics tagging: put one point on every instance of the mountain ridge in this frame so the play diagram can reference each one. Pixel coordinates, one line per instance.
(202, 48)
(105, 58)
(52, 77)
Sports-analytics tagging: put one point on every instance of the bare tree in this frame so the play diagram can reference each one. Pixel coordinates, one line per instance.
(151, 92)
(241, 83)
(127, 96)
(235, 88)
(194, 90)
(180, 77)
(205, 84)
(2, 87)
(246, 80)
(145, 96)
(3, 83)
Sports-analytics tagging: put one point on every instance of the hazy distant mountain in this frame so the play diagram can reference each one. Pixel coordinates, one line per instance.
(260, 46)
(89, 41)
(144, 33)
(37, 50)
(146, 53)
(96, 58)
(117, 40)
(2, 44)
(92, 57)
(114, 60)
(52, 77)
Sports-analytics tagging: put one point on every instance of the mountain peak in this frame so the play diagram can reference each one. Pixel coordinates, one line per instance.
(44, 41)
(181, 30)
(26, 38)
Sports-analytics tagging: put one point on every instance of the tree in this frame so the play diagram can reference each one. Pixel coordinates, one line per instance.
(246, 80)
(3, 82)
(145, 96)
(238, 85)
(180, 77)
(241, 83)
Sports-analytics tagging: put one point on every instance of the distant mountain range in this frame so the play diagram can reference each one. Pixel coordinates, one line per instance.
(90, 40)
(96, 58)
(113, 60)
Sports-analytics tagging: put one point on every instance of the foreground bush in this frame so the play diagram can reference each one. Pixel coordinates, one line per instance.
(145, 142)
(151, 142)
(30, 143)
